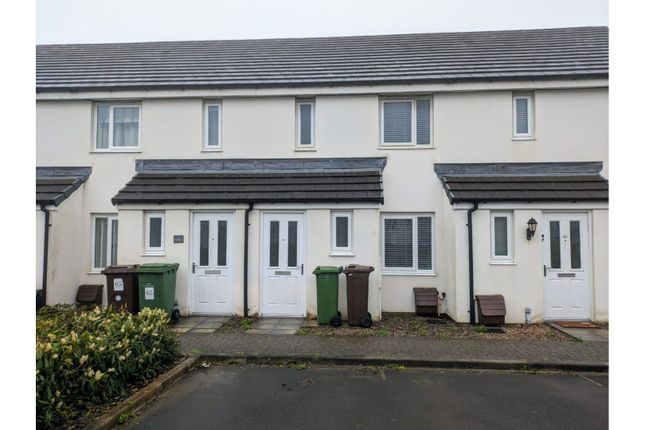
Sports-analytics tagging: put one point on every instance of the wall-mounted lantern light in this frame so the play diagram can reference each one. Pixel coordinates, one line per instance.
(530, 230)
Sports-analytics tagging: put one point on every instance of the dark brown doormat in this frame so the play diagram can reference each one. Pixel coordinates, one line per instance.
(577, 324)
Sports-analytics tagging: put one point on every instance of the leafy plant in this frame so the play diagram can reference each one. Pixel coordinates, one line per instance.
(480, 329)
(381, 333)
(89, 357)
(246, 324)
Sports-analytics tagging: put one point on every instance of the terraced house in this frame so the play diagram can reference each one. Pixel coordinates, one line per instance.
(475, 163)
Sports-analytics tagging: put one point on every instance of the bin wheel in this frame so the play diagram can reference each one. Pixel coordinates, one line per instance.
(366, 321)
(335, 321)
(174, 317)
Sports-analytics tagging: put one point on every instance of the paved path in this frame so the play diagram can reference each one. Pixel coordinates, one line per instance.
(411, 350)
(231, 397)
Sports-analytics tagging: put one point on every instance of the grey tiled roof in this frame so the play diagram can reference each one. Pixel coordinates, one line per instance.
(358, 60)
(306, 180)
(55, 184)
(523, 182)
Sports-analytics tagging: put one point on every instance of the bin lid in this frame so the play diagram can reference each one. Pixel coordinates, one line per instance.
(129, 268)
(354, 268)
(157, 267)
(327, 269)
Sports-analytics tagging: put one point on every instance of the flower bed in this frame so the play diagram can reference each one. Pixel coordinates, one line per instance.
(92, 357)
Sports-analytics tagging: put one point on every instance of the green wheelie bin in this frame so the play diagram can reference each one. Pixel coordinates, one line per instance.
(157, 287)
(327, 294)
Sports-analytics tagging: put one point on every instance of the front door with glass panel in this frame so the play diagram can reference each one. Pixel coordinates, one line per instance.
(212, 264)
(283, 286)
(567, 293)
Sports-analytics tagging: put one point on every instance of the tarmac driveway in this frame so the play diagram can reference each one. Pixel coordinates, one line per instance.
(231, 397)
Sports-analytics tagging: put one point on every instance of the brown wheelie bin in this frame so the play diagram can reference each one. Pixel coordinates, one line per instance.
(358, 283)
(122, 287)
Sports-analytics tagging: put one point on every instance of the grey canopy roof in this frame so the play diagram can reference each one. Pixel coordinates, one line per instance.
(55, 184)
(334, 180)
(580, 52)
(529, 182)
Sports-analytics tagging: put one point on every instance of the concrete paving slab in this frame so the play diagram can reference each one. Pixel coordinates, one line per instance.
(284, 331)
(203, 330)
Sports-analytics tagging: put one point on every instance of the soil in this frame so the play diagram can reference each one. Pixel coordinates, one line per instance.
(237, 325)
(412, 325)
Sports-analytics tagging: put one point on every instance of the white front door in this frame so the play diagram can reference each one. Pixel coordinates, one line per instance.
(212, 263)
(567, 294)
(283, 279)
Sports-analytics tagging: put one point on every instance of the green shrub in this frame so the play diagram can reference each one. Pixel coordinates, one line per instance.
(86, 357)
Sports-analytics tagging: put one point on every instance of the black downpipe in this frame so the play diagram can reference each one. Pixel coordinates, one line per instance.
(45, 255)
(246, 259)
(471, 277)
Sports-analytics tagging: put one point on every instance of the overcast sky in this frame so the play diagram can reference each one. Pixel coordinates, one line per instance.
(88, 21)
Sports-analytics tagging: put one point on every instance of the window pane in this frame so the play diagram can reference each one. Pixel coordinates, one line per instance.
(221, 243)
(397, 122)
(501, 236)
(126, 126)
(204, 240)
(274, 243)
(521, 115)
(114, 241)
(102, 127)
(554, 227)
(305, 124)
(398, 242)
(574, 227)
(424, 233)
(292, 252)
(155, 232)
(342, 231)
(423, 122)
(213, 125)
(100, 242)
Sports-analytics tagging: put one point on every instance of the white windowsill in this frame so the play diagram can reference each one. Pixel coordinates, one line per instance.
(388, 147)
(341, 254)
(116, 151)
(304, 149)
(520, 138)
(154, 254)
(426, 274)
(92, 272)
(502, 263)
(212, 150)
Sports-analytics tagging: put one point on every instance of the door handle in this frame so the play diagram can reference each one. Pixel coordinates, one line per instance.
(302, 269)
(194, 267)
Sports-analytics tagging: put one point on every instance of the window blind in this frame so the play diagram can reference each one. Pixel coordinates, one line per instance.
(501, 236)
(398, 242)
(305, 124)
(100, 242)
(397, 122)
(424, 238)
(521, 115)
(113, 241)
(126, 126)
(102, 127)
(213, 126)
(423, 122)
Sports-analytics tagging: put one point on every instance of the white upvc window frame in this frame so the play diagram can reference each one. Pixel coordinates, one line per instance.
(111, 147)
(206, 146)
(510, 237)
(530, 100)
(342, 250)
(414, 270)
(413, 143)
(108, 260)
(150, 250)
(311, 146)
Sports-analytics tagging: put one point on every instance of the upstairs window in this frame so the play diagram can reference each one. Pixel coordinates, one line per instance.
(305, 119)
(523, 116)
(117, 127)
(501, 227)
(406, 122)
(213, 126)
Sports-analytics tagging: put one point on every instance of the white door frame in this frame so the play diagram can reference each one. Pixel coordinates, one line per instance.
(586, 257)
(264, 255)
(231, 245)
